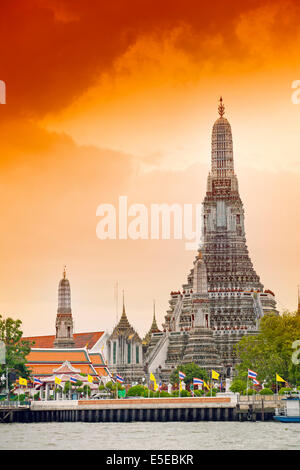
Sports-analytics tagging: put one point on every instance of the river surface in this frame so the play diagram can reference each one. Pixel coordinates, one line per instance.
(201, 435)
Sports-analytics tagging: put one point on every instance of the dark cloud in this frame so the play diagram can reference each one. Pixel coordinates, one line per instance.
(51, 50)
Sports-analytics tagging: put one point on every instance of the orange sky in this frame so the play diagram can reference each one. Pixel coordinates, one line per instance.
(119, 98)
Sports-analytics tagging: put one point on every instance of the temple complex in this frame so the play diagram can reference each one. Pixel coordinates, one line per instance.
(223, 298)
(67, 353)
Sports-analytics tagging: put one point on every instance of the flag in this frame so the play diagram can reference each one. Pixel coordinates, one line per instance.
(119, 379)
(214, 375)
(197, 381)
(252, 374)
(180, 386)
(279, 379)
(205, 385)
(73, 380)
(90, 379)
(160, 385)
(22, 381)
(181, 375)
(57, 381)
(153, 379)
(256, 382)
(37, 381)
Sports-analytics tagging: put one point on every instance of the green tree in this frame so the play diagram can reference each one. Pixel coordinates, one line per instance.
(191, 370)
(270, 351)
(16, 349)
(136, 391)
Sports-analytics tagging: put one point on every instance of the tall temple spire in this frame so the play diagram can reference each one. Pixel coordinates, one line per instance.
(64, 321)
(221, 146)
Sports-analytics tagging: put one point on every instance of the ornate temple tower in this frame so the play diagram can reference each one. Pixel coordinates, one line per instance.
(223, 233)
(125, 351)
(64, 321)
(237, 299)
(223, 298)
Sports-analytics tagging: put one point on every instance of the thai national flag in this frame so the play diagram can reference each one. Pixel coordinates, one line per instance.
(120, 379)
(181, 375)
(73, 380)
(197, 381)
(37, 381)
(256, 382)
(252, 374)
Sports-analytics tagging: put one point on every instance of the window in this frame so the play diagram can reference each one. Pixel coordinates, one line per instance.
(129, 354)
(114, 352)
(137, 354)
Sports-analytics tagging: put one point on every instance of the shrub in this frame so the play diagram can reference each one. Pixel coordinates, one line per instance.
(198, 393)
(284, 389)
(266, 391)
(136, 391)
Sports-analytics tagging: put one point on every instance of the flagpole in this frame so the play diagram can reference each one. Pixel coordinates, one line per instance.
(211, 384)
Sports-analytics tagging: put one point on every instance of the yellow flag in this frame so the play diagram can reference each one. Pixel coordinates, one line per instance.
(180, 385)
(153, 379)
(205, 385)
(90, 378)
(279, 379)
(22, 381)
(57, 381)
(214, 374)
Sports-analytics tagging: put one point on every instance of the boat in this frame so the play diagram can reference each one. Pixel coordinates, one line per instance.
(290, 412)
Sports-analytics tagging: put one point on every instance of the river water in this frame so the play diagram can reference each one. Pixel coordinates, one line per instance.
(210, 435)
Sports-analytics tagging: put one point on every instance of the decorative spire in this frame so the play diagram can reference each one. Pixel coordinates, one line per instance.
(154, 324)
(153, 328)
(221, 107)
(64, 321)
(123, 311)
(64, 295)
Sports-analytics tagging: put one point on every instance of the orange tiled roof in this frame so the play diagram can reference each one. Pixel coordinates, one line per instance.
(81, 340)
(47, 369)
(57, 356)
(45, 361)
(97, 359)
(101, 371)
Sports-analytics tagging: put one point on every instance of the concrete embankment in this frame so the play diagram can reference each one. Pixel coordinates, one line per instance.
(141, 409)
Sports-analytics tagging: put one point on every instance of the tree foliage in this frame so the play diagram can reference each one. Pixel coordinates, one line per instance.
(16, 349)
(191, 370)
(270, 351)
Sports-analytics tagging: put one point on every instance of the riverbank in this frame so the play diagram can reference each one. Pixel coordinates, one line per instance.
(140, 409)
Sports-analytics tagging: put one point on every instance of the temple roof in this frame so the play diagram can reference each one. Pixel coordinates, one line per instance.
(124, 328)
(81, 340)
(46, 361)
